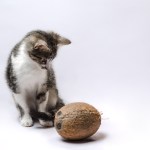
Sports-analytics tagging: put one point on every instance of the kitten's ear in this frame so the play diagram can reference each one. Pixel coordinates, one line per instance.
(63, 41)
(60, 39)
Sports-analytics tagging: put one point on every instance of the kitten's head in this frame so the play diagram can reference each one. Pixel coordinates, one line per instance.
(44, 46)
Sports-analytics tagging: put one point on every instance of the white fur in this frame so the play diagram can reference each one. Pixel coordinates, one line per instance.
(29, 73)
(52, 98)
(26, 119)
(30, 78)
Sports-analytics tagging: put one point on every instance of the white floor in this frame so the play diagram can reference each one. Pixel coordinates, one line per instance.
(107, 65)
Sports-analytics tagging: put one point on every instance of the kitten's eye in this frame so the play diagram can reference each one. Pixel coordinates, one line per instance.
(38, 57)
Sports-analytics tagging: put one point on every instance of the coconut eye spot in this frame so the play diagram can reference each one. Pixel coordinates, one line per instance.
(58, 126)
(59, 113)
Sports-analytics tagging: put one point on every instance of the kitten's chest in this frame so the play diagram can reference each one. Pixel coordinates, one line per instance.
(33, 77)
(30, 77)
(29, 74)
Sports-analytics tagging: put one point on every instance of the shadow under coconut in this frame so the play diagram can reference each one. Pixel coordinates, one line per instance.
(96, 137)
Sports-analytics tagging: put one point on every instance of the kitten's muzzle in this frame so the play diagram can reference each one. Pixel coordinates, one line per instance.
(44, 61)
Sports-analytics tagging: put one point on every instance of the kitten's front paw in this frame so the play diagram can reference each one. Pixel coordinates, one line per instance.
(26, 121)
(46, 123)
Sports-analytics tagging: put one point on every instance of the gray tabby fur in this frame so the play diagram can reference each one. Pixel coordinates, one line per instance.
(31, 79)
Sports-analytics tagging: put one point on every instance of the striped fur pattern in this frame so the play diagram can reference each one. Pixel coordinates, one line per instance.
(31, 78)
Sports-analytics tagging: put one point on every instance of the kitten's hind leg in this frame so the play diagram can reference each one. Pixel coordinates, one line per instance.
(48, 101)
(42, 107)
(22, 105)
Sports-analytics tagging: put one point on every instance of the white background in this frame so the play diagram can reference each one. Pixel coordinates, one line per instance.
(107, 65)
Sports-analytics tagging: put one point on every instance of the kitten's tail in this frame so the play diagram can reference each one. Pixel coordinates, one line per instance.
(43, 116)
(51, 115)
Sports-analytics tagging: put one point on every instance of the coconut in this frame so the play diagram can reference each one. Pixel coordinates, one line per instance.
(77, 121)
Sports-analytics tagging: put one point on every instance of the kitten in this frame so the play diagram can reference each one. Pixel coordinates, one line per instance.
(31, 78)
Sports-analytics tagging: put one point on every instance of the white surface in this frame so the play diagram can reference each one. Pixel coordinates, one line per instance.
(107, 65)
